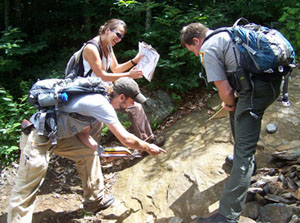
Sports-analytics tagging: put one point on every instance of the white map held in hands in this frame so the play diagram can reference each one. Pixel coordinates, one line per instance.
(149, 61)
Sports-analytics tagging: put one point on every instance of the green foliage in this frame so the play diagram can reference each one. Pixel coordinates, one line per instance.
(15, 56)
(51, 31)
(176, 97)
(12, 47)
(11, 115)
(104, 131)
(177, 69)
(289, 25)
(125, 3)
(124, 121)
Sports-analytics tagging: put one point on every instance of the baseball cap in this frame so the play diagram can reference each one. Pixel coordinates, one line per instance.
(130, 88)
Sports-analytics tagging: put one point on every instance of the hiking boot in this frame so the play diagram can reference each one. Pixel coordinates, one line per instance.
(101, 204)
(158, 140)
(286, 103)
(229, 162)
(216, 218)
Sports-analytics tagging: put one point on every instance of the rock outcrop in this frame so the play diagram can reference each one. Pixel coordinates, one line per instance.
(189, 180)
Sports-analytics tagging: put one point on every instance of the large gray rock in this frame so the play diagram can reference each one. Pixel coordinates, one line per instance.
(189, 179)
(278, 213)
(158, 106)
(289, 151)
(251, 210)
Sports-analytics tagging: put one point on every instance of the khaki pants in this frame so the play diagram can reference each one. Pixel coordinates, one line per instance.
(140, 125)
(34, 160)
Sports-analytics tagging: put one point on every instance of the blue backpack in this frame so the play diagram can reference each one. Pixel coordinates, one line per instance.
(262, 50)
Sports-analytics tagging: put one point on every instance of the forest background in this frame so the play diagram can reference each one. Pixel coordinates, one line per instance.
(38, 38)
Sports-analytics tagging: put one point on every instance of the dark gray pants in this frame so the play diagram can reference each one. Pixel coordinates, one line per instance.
(246, 130)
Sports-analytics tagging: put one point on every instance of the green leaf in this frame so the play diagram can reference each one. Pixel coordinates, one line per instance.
(6, 99)
(12, 149)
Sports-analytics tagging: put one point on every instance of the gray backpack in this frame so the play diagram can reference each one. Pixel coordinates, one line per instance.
(75, 64)
(46, 95)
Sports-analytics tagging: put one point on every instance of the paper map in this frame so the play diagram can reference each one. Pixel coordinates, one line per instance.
(149, 61)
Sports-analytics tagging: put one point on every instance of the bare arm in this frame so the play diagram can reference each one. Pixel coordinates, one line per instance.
(226, 94)
(85, 138)
(91, 55)
(132, 141)
(117, 68)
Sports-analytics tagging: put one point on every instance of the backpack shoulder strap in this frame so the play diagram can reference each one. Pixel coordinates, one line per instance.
(95, 43)
(226, 29)
(216, 31)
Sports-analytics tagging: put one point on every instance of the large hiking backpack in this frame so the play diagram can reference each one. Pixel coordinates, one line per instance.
(46, 95)
(75, 64)
(262, 50)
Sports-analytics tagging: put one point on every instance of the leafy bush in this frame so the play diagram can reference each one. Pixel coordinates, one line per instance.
(14, 57)
(289, 25)
(50, 31)
(11, 115)
(12, 46)
(177, 69)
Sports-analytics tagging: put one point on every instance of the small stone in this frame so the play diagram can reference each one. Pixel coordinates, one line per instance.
(175, 219)
(294, 219)
(271, 128)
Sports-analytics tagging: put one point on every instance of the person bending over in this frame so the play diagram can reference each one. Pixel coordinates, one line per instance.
(36, 151)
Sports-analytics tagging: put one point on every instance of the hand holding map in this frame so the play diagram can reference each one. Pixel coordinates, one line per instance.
(149, 61)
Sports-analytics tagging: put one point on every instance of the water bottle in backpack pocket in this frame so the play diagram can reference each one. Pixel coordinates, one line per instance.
(51, 99)
(47, 95)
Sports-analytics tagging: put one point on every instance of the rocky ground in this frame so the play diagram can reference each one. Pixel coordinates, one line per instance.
(59, 199)
(274, 190)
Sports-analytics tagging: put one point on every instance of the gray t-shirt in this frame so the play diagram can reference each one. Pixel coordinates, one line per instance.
(90, 105)
(217, 56)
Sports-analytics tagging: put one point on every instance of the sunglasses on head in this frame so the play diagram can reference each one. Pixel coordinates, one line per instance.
(119, 35)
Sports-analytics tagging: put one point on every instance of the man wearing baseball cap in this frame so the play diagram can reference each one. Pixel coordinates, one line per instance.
(127, 98)
(78, 140)
(128, 87)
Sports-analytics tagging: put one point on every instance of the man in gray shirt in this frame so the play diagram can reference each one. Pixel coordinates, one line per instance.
(220, 58)
(36, 149)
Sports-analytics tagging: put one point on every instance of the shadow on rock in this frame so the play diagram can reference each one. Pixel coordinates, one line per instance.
(196, 202)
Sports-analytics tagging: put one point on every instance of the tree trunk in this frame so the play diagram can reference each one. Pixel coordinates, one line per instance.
(17, 12)
(87, 19)
(148, 17)
(6, 13)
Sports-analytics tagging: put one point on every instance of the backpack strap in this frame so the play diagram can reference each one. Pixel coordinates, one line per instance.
(79, 117)
(240, 19)
(95, 43)
(41, 126)
(219, 30)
